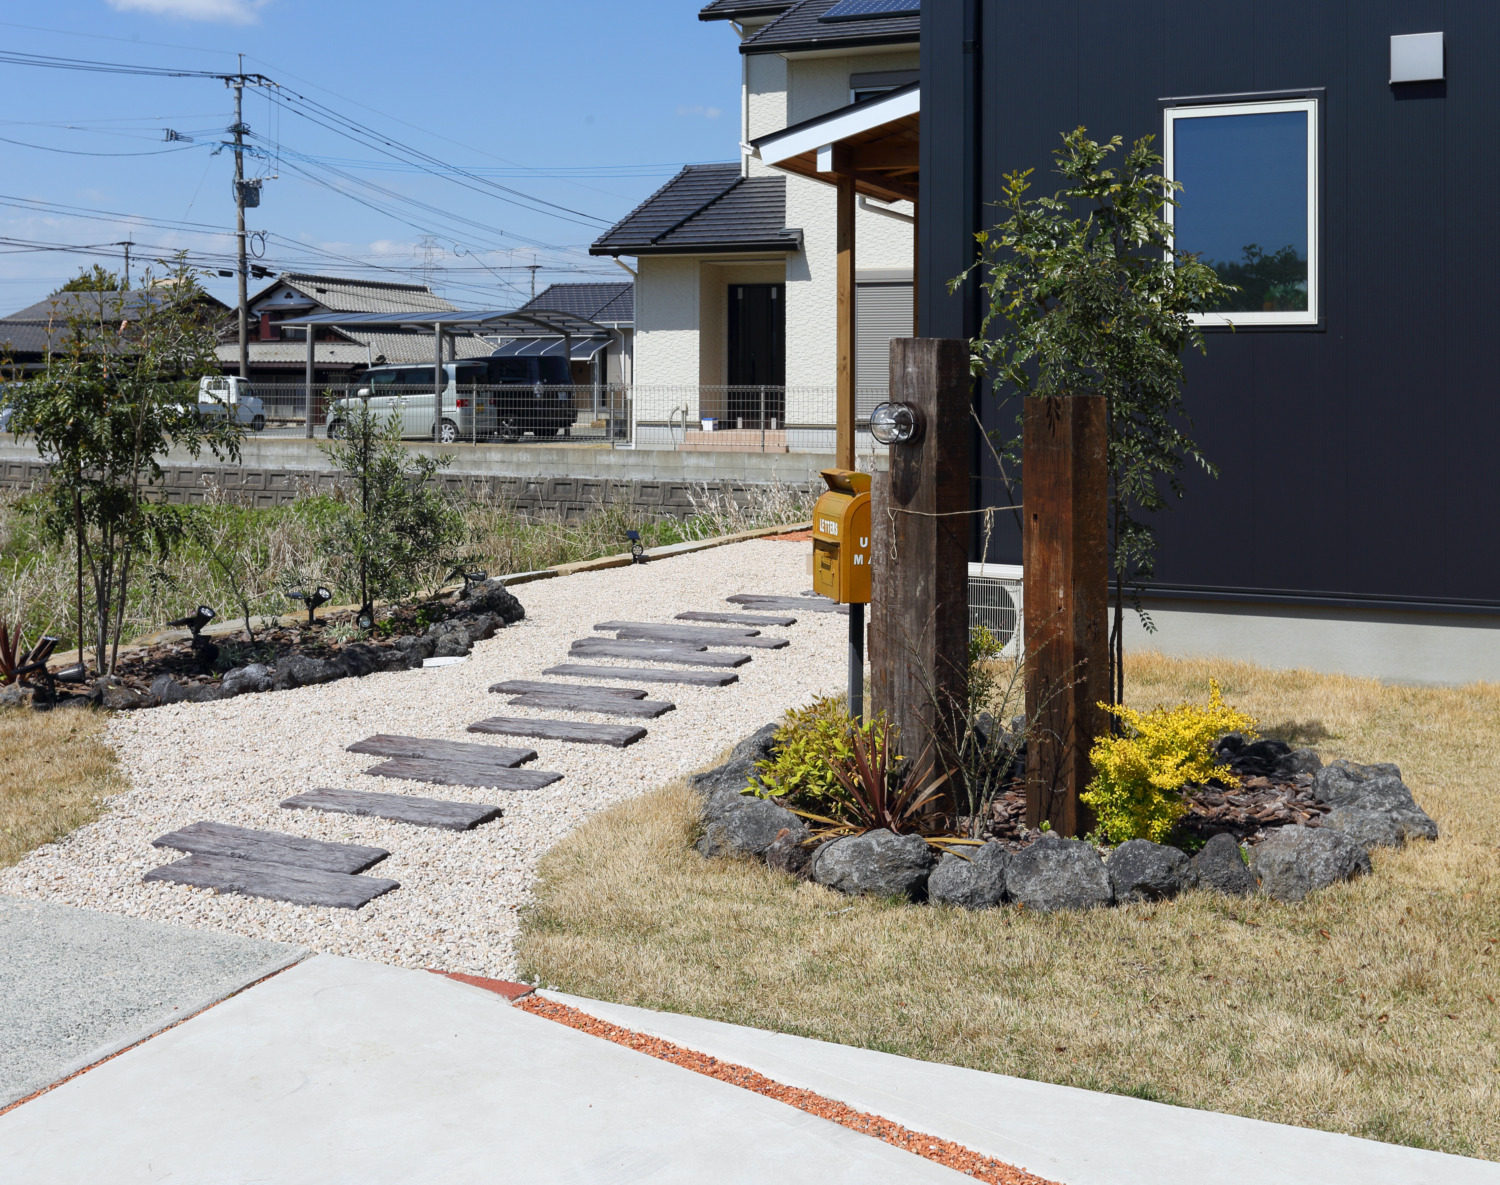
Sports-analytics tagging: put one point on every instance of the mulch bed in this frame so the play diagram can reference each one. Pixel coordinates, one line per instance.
(944, 1152)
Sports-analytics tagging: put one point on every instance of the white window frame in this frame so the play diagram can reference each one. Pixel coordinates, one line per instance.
(1314, 188)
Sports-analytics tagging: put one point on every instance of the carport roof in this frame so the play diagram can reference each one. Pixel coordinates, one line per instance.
(513, 323)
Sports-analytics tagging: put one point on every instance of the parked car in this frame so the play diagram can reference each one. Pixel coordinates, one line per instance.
(223, 397)
(485, 397)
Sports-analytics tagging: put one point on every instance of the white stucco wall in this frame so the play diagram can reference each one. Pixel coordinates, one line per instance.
(666, 321)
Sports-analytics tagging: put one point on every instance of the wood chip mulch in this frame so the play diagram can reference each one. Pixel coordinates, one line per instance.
(944, 1152)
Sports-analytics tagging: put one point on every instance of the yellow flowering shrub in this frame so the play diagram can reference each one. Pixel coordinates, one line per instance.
(1138, 777)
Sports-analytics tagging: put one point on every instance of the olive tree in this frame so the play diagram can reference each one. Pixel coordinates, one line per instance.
(1086, 294)
(119, 391)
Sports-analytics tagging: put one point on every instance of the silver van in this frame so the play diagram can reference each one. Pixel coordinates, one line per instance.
(484, 397)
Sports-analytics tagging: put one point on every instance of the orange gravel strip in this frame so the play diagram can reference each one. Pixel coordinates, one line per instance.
(944, 1152)
(789, 537)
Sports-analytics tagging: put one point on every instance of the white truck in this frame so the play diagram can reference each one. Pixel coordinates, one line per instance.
(228, 396)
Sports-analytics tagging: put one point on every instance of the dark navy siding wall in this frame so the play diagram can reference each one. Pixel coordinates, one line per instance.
(1357, 462)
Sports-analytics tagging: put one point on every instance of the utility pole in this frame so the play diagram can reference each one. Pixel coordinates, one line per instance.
(127, 244)
(242, 270)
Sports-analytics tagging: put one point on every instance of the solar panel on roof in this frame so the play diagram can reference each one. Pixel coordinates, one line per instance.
(858, 10)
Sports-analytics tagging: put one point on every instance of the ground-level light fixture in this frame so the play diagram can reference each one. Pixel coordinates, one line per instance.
(194, 621)
(365, 620)
(637, 548)
(313, 600)
(896, 423)
(478, 576)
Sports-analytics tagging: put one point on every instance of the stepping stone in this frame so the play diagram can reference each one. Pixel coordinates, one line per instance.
(787, 604)
(525, 686)
(679, 634)
(278, 882)
(608, 705)
(402, 808)
(681, 631)
(754, 619)
(270, 847)
(459, 773)
(383, 745)
(618, 735)
(655, 652)
(646, 675)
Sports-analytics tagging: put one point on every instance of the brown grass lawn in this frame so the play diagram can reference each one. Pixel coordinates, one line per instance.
(54, 773)
(1368, 1009)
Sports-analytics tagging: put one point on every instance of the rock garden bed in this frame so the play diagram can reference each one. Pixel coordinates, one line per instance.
(297, 655)
(1293, 826)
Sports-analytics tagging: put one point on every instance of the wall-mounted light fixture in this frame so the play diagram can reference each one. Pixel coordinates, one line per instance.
(897, 423)
(1417, 57)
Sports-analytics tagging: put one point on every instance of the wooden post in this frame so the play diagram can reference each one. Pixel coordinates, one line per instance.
(844, 312)
(919, 610)
(1066, 558)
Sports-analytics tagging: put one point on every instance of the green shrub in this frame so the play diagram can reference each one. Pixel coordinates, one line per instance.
(1138, 777)
(810, 743)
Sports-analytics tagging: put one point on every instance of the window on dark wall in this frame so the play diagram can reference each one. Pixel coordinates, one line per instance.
(1248, 204)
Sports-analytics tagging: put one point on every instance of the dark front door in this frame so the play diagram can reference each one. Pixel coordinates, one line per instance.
(757, 351)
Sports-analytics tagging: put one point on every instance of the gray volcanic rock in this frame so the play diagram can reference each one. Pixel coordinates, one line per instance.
(876, 863)
(1220, 866)
(735, 774)
(416, 648)
(299, 670)
(1369, 829)
(975, 883)
(787, 854)
(1056, 873)
(1299, 761)
(748, 828)
(1296, 861)
(255, 677)
(1367, 789)
(1141, 870)
(166, 690)
(493, 597)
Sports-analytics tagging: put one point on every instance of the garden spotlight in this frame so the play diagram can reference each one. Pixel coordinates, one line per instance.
(365, 620)
(637, 549)
(318, 597)
(478, 576)
(195, 621)
(896, 423)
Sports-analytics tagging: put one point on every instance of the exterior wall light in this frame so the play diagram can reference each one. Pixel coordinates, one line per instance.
(896, 423)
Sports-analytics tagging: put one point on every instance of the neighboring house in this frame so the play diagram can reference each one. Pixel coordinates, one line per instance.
(1347, 396)
(280, 354)
(29, 336)
(736, 287)
(603, 360)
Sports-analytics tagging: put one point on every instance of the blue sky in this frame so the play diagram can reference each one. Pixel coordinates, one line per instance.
(587, 105)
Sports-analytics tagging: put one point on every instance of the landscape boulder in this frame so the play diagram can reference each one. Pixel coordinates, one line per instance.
(119, 696)
(416, 648)
(492, 597)
(876, 863)
(790, 855)
(451, 640)
(249, 679)
(748, 828)
(1295, 861)
(1369, 829)
(735, 774)
(1220, 866)
(1140, 870)
(1056, 873)
(977, 882)
(301, 670)
(1299, 761)
(1372, 789)
(15, 696)
(166, 690)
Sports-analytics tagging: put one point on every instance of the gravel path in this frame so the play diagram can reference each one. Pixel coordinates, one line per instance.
(233, 762)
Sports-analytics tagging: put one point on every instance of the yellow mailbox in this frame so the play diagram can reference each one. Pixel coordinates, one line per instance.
(841, 538)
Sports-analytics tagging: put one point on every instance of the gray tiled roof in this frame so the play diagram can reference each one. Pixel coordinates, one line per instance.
(610, 303)
(705, 209)
(800, 28)
(338, 294)
(44, 325)
(733, 10)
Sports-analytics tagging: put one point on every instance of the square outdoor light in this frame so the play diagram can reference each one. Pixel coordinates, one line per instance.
(1417, 57)
(896, 423)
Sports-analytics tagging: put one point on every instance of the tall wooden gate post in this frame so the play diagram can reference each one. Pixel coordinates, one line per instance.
(1066, 560)
(919, 546)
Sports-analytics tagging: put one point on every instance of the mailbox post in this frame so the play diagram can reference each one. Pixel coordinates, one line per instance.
(841, 563)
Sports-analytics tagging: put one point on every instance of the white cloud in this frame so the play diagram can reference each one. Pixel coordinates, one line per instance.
(700, 109)
(231, 12)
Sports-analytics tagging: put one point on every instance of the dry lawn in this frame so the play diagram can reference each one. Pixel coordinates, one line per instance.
(1369, 1009)
(55, 771)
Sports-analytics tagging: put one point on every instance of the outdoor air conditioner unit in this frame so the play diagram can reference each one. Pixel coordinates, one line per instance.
(995, 602)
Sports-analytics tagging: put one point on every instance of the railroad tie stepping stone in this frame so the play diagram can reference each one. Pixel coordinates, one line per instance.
(270, 847)
(526, 686)
(787, 604)
(451, 772)
(385, 745)
(617, 735)
(646, 675)
(755, 619)
(400, 808)
(277, 882)
(685, 634)
(607, 705)
(686, 655)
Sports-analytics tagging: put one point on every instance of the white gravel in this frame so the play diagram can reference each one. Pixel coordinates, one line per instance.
(456, 909)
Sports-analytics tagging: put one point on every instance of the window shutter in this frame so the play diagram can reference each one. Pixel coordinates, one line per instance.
(881, 311)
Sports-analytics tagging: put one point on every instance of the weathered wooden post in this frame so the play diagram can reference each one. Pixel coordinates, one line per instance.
(919, 610)
(1066, 559)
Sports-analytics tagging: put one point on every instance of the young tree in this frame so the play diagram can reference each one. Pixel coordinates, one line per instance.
(1087, 295)
(119, 393)
(400, 528)
(93, 279)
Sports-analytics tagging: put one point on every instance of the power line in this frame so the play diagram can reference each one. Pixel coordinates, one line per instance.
(81, 152)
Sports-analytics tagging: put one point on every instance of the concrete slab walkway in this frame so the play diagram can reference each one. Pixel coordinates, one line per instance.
(341, 1071)
(1073, 1136)
(77, 986)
